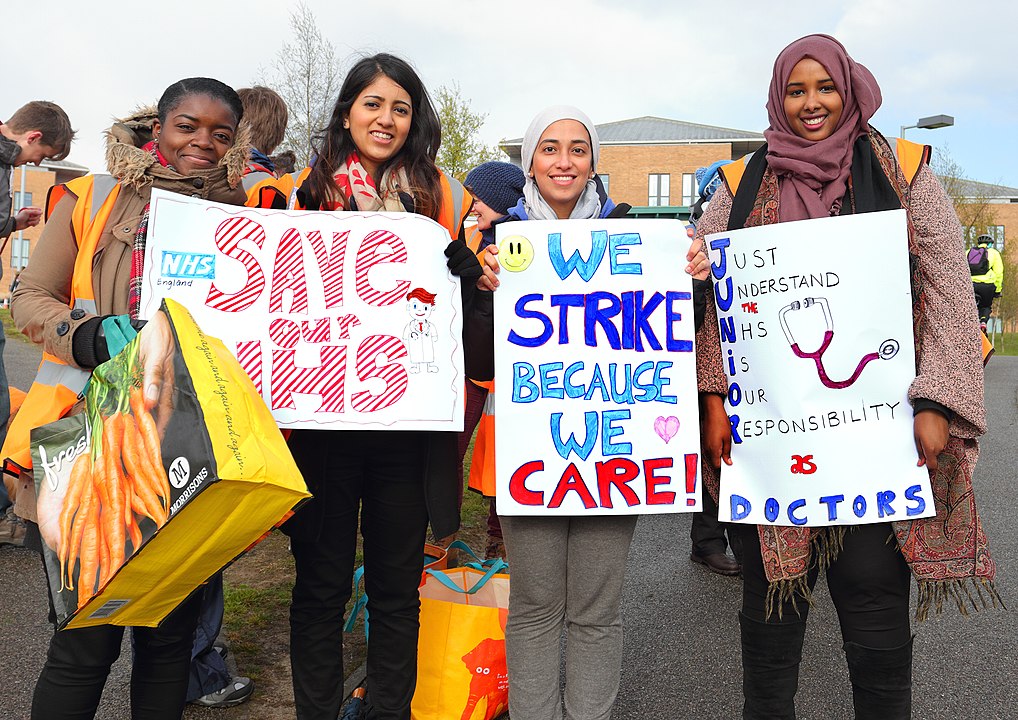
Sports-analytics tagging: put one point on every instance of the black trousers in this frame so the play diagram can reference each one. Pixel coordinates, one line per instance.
(78, 663)
(708, 533)
(380, 477)
(984, 299)
(869, 584)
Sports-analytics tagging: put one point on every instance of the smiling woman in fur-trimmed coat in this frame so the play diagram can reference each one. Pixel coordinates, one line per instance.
(191, 145)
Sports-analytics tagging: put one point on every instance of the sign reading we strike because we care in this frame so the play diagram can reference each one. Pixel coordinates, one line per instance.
(816, 334)
(342, 320)
(596, 399)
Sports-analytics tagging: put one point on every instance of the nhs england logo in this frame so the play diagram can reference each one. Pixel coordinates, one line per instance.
(188, 265)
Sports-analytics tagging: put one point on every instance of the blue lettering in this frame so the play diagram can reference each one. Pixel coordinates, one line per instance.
(597, 383)
(884, 500)
(584, 268)
(832, 505)
(571, 446)
(792, 507)
(734, 394)
(650, 391)
(523, 372)
(616, 247)
(522, 312)
(720, 268)
(672, 317)
(626, 396)
(549, 388)
(736, 437)
(859, 506)
(771, 509)
(725, 303)
(564, 302)
(727, 328)
(573, 391)
(642, 317)
(913, 494)
(660, 382)
(593, 313)
(609, 431)
(741, 507)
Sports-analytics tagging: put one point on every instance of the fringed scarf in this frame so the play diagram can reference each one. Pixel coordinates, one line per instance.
(948, 553)
(138, 247)
(356, 184)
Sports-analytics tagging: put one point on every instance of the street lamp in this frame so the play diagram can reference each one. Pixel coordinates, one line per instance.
(929, 123)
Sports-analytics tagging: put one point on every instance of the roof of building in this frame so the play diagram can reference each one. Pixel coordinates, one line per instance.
(974, 189)
(661, 131)
(63, 165)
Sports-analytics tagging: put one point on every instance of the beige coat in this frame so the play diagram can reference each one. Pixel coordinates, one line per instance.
(40, 305)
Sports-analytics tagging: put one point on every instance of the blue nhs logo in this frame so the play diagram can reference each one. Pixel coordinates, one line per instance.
(188, 265)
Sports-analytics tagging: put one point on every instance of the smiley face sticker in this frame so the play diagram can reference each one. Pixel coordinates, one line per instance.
(515, 253)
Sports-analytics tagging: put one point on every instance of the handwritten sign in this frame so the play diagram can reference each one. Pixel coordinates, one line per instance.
(816, 335)
(343, 320)
(596, 408)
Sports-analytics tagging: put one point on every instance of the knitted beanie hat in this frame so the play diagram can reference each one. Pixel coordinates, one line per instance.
(499, 185)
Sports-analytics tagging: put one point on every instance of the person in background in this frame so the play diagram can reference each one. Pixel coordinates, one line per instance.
(266, 114)
(495, 187)
(377, 153)
(823, 159)
(37, 131)
(987, 269)
(190, 144)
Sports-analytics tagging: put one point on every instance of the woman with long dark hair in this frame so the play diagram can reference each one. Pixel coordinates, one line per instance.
(376, 154)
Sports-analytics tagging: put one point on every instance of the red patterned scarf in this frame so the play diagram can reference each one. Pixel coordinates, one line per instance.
(947, 553)
(356, 184)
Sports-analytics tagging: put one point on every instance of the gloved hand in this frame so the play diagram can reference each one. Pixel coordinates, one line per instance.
(462, 262)
(98, 339)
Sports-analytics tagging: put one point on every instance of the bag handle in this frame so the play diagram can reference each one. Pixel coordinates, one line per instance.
(360, 603)
(494, 567)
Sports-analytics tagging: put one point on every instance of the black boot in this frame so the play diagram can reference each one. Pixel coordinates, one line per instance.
(770, 668)
(881, 681)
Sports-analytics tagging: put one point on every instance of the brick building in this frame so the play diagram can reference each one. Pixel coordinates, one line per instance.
(994, 212)
(29, 186)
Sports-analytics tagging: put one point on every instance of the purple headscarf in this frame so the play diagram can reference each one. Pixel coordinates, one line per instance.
(814, 174)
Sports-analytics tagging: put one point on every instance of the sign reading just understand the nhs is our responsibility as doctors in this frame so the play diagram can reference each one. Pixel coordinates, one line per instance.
(816, 335)
(595, 374)
(343, 320)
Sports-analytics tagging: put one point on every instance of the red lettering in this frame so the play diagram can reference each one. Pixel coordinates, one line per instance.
(572, 480)
(378, 247)
(318, 332)
(328, 380)
(517, 484)
(330, 266)
(377, 357)
(249, 355)
(616, 472)
(288, 274)
(653, 496)
(230, 233)
(345, 323)
(285, 333)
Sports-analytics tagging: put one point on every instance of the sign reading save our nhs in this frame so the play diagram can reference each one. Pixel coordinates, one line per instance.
(595, 375)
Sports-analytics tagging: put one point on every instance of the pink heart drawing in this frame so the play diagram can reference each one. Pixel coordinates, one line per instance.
(666, 427)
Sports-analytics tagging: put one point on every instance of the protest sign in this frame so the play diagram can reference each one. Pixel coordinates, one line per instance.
(596, 400)
(816, 334)
(342, 320)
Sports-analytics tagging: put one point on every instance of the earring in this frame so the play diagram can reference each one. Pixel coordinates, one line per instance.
(346, 124)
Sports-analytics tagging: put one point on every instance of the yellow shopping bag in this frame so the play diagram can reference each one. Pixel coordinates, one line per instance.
(138, 504)
(461, 669)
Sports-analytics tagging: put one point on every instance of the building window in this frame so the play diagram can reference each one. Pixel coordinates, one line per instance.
(997, 233)
(688, 189)
(658, 190)
(606, 183)
(20, 249)
(22, 202)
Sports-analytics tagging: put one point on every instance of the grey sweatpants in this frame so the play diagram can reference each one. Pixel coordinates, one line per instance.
(565, 572)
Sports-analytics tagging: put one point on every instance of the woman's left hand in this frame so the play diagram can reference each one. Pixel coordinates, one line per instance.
(699, 265)
(489, 280)
(717, 431)
(931, 433)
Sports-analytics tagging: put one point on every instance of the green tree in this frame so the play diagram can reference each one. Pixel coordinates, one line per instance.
(461, 147)
(306, 75)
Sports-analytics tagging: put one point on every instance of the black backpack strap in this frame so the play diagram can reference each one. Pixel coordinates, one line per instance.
(749, 186)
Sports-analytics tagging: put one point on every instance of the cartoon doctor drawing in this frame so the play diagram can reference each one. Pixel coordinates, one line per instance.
(420, 334)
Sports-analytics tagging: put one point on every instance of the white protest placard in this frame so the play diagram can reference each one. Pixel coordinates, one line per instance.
(343, 320)
(816, 335)
(596, 407)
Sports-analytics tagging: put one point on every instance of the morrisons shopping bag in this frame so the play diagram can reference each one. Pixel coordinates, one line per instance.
(140, 503)
(461, 670)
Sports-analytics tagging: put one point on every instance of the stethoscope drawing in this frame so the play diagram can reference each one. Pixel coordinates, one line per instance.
(887, 350)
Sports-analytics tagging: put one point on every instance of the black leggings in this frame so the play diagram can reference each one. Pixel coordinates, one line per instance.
(869, 583)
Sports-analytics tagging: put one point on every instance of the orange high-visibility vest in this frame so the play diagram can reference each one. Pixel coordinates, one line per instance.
(482, 464)
(264, 190)
(57, 384)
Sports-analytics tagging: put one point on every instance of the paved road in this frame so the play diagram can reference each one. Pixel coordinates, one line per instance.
(682, 653)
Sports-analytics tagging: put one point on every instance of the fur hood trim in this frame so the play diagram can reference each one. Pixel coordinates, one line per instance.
(128, 163)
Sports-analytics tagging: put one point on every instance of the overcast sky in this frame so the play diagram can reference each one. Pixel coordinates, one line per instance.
(705, 62)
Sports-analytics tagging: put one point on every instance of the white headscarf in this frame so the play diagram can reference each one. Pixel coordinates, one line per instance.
(588, 205)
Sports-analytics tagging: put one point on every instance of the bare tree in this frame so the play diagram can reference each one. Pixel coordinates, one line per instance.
(971, 203)
(461, 148)
(307, 76)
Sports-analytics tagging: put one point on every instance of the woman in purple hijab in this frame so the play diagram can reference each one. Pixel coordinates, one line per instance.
(822, 158)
